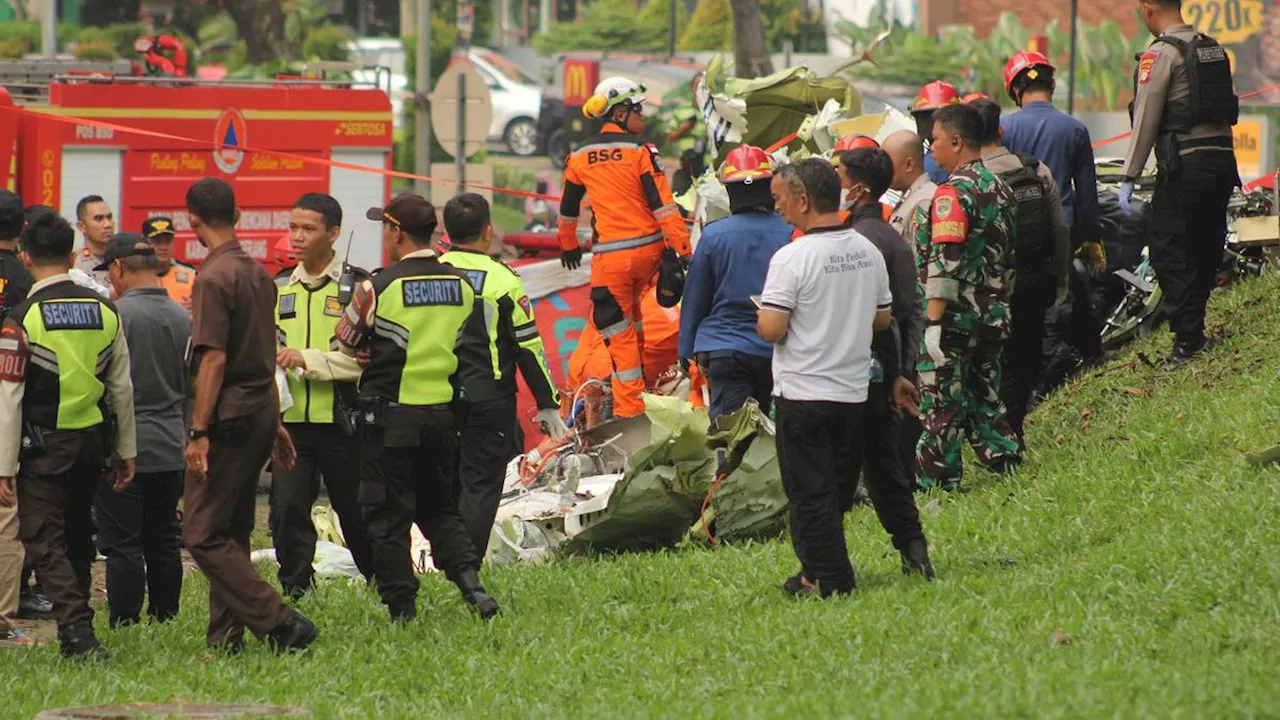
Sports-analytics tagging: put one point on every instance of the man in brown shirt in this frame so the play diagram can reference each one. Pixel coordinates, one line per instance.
(234, 425)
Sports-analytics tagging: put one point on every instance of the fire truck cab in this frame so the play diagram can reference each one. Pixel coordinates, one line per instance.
(140, 142)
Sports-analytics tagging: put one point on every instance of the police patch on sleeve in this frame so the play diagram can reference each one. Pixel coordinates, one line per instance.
(71, 315)
(525, 305)
(288, 305)
(13, 357)
(1145, 62)
(432, 291)
(950, 224)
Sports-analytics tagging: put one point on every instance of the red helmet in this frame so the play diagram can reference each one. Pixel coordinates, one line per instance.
(973, 96)
(285, 255)
(1025, 61)
(853, 142)
(935, 95)
(746, 163)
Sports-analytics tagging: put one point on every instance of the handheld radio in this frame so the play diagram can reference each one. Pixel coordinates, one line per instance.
(347, 281)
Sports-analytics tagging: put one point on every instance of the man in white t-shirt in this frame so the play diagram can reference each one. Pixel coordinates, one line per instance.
(824, 296)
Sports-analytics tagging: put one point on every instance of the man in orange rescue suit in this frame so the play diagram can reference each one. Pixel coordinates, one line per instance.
(633, 211)
(176, 278)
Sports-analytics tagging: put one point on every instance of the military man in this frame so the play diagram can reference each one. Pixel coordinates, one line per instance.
(424, 330)
(964, 256)
(176, 278)
(489, 434)
(64, 384)
(1184, 106)
(96, 224)
(1043, 257)
(309, 303)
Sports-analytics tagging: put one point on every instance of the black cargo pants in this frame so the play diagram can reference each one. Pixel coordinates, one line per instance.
(877, 459)
(408, 474)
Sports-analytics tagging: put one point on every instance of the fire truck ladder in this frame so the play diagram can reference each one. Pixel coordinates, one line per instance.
(28, 81)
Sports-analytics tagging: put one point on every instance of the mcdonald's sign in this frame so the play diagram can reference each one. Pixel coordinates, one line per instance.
(580, 80)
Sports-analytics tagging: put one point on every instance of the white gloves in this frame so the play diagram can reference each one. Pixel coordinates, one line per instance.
(1126, 196)
(550, 421)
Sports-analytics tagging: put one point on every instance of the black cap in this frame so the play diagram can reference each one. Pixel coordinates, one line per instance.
(409, 212)
(157, 227)
(123, 245)
(12, 216)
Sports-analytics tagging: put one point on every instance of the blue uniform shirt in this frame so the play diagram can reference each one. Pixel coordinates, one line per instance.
(729, 266)
(935, 173)
(1061, 142)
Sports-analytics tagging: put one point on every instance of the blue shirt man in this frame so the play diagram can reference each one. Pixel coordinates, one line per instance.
(717, 315)
(1059, 141)
(935, 173)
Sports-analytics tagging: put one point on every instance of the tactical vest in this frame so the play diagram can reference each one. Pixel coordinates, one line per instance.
(1033, 246)
(71, 331)
(306, 319)
(423, 309)
(1212, 99)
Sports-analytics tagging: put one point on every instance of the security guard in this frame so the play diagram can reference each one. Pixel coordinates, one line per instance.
(491, 431)
(424, 330)
(1184, 106)
(176, 278)
(309, 302)
(964, 256)
(633, 212)
(1042, 257)
(64, 383)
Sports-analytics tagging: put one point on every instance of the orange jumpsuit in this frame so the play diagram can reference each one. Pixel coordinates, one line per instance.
(633, 211)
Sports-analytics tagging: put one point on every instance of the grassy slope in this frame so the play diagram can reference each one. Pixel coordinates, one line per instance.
(1130, 570)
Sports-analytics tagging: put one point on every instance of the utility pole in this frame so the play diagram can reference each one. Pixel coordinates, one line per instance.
(671, 33)
(408, 17)
(422, 108)
(49, 28)
(1071, 66)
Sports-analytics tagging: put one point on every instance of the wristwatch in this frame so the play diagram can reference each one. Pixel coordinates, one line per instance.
(194, 434)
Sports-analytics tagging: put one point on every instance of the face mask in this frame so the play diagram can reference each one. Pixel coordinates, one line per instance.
(844, 199)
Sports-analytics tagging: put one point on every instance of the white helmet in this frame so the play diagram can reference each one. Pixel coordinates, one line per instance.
(612, 92)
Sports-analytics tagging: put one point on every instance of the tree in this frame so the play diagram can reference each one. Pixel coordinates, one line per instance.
(710, 28)
(751, 55)
(261, 24)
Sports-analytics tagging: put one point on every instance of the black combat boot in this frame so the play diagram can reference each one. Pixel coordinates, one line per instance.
(1185, 349)
(468, 581)
(79, 643)
(294, 634)
(915, 559)
(403, 613)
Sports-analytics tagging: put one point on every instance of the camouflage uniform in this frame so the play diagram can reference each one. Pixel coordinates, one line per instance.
(964, 255)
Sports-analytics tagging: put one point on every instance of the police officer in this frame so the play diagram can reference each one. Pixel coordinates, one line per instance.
(490, 432)
(15, 283)
(1184, 106)
(176, 278)
(64, 381)
(964, 256)
(309, 302)
(97, 224)
(423, 326)
(1042, 258)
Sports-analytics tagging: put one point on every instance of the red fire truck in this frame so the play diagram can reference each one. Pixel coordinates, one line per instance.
(50, 159)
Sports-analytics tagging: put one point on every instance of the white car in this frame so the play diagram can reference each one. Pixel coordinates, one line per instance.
(516, 97)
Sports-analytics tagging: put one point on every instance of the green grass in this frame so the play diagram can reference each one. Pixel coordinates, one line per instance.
(1130, 570)
(507, 219)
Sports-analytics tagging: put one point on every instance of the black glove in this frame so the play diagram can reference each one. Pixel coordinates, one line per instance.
(685, 262)
(571, 259)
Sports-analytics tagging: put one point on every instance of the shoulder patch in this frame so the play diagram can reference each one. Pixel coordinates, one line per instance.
(13, 354)
(1146, 61)
(432, 291)
(182, 277)
(525, 305)
(71, 314)
(949, 223)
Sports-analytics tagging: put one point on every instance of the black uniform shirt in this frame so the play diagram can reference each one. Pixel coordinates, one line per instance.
(15, 282)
